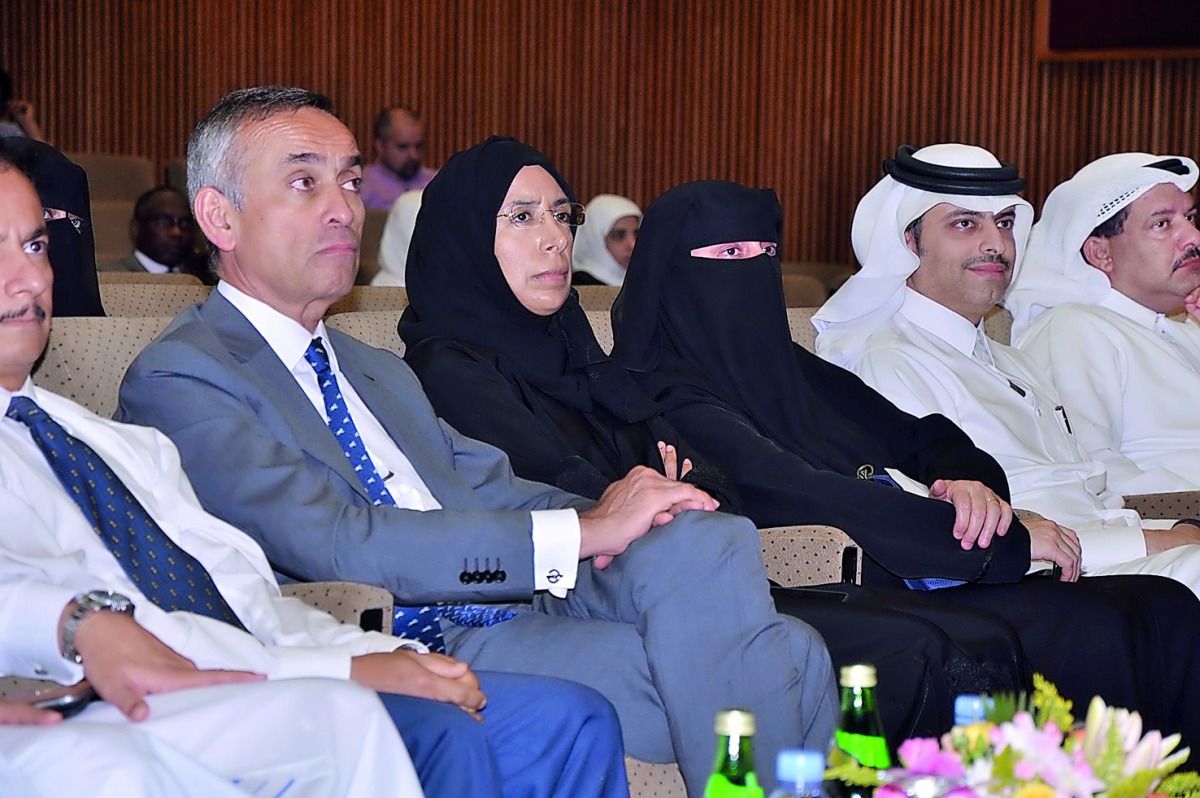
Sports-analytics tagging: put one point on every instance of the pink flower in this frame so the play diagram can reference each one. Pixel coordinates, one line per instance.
(924, 755)
(1041, 756)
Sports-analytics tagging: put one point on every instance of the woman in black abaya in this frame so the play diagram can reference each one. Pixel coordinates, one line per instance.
(702, 327)
(519, 367)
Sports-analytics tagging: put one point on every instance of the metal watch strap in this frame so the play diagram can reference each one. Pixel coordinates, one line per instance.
(85, 605)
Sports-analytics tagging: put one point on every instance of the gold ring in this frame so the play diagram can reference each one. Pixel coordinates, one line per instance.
(990, 499)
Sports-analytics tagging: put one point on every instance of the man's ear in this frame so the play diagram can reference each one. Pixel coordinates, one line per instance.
(1096, 253)
(910, 241)
(216, 215)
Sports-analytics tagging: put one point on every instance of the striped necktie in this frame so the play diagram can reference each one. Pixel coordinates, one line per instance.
(417, 623)
(166, 574)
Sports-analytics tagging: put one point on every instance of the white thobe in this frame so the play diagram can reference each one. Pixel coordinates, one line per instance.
(1130, 376)
(928, 359)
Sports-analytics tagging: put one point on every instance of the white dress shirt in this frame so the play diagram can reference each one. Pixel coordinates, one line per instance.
(556, 534)
(1130, 377)
(49, 553)
(929, 359)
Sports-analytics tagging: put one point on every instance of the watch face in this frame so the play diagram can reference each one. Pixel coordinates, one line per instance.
(106, 600)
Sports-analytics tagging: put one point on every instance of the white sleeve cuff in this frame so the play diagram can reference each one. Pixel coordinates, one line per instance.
(1109, 545)
(556, 542)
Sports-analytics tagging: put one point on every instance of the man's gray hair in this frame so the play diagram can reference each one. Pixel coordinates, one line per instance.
(212, 158)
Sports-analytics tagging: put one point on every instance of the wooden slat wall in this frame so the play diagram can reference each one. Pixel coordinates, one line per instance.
(626, 96)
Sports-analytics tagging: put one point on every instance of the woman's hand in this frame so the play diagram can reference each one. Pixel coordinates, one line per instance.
(670, 459)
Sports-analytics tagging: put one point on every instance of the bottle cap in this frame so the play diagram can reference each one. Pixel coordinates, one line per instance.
(794, 766)
(734, 722)
(858, 676)
(969, 709)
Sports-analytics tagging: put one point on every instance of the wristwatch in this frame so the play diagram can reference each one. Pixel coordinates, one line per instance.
(85, 605)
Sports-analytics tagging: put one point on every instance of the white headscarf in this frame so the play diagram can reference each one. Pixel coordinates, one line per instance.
(1055, 271)
(591, 253)
(872, 296)
(397, 235)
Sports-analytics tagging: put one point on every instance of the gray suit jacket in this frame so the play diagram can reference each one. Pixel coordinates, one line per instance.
(262, 458)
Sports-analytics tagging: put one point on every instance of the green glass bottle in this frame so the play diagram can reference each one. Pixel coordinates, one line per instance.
(733, 768)
(860, 732)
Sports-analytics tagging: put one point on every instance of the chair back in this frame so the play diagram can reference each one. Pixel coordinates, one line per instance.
(371, 297)
(602, 326)
(368, 253)
(115, 177)
(151, 299)
(174, 278)
(803, 291)
(110, 226)
(998, 325)
(375, 328)
(801, 328)
(597, 297)
(88, 355)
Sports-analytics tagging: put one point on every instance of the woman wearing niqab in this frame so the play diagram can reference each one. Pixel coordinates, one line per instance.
(803, 442)
(540, 388)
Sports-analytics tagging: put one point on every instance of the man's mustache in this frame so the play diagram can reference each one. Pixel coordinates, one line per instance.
(36, 309)
(1191, 254)
(997, 258)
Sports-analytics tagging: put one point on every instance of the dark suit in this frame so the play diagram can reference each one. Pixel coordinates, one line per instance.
(681, 625)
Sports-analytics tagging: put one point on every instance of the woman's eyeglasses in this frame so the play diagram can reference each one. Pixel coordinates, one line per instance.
(569, 215)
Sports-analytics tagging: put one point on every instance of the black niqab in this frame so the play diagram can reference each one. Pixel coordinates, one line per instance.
(719, 327)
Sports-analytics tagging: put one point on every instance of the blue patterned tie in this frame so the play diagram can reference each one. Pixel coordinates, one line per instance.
(415, 623)
(165, 573)
(928, 583)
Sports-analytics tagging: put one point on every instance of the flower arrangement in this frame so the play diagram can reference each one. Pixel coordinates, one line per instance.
(1032, 749)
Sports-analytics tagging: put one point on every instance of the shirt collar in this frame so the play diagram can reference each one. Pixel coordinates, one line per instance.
(287, 337)
(1123, 305)
(150, 264)
(940, 321)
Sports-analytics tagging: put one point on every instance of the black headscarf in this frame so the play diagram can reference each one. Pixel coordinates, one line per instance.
(693, 328)
(63, 185)
(457, 292)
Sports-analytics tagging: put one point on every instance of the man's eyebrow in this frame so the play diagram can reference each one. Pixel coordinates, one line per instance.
(352, 161)
(956, 212)
(302, 157)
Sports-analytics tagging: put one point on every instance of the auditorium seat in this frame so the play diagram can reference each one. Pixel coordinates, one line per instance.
(803, 290)
(110, 227)
(115, 177)
(368, 253)
(371, 297)
(597, 297)
(150, 298)
(147, 277)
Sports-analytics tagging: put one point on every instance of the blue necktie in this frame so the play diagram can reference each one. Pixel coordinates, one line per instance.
(165, 573)
(928, 583)
(415, 623)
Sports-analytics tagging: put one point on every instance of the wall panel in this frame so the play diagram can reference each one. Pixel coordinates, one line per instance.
(627, 96)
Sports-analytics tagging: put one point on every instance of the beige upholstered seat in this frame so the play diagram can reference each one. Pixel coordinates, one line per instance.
(597, 297)
(371, 297)
(803, 290)
(115, 177)
(150, 299)
(998, 325)
(368, 606)
(110, 227)
(375, 328)
(88, 356)
(147, 277)
(830, 275)
(368, 253)
(602, 326)
(800, 326)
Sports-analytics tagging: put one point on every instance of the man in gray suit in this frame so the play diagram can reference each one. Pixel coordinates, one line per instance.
(329, 454)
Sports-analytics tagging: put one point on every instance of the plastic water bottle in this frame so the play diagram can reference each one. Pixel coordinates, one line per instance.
(800, 774)
(968, 709)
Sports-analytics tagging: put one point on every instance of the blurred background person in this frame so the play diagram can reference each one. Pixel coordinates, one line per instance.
(604, 245)
(397, 235)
